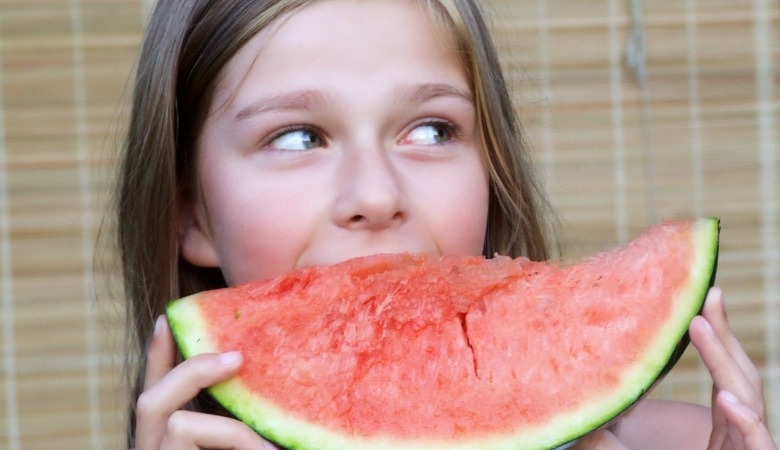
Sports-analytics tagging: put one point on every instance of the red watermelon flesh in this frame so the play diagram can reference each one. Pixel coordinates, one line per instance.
(422, 351)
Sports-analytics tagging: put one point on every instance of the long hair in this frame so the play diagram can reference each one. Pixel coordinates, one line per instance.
(186, 45)
(520, 220)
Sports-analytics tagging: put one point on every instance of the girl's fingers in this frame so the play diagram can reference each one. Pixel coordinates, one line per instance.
(728, 363)
(726, 373)
(738, 402)
(754, 435)
(161, 356)
(736, 372)
(161, 424)
(186, 380)
(193, 430)
(715, 313)
(180, 385)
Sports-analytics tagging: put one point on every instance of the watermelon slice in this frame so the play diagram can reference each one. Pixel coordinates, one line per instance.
(419, 351)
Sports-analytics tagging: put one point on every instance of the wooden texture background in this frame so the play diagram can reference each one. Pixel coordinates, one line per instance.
(688, 126)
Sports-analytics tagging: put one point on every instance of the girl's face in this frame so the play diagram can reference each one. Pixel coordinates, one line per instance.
(345, 129)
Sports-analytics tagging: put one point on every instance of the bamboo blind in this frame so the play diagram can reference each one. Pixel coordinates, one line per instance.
(687, 127)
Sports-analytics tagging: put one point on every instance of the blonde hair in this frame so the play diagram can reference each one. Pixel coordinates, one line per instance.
(520, 218)
(186, 45)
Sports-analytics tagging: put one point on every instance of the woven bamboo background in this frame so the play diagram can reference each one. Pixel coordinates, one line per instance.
(687, 126)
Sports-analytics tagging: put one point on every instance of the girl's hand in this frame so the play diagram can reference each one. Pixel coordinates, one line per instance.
(160, 421)
(738, 410)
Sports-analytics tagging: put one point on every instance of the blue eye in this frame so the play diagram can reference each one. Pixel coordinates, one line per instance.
(430, 134)
(297, 140)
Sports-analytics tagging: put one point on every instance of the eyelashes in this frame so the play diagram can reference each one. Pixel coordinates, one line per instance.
(432, 132)
(297, 138)
(425, 133)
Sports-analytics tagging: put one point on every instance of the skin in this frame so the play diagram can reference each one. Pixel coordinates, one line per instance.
(395, 160)
(375, 172)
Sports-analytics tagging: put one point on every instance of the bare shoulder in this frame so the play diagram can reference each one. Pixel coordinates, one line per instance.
(660, 424)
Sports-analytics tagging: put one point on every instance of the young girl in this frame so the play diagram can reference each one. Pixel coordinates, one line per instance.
(269, 135)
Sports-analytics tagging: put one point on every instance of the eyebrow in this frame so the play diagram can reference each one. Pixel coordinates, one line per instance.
(312, 100)
(422, 93)
(306, 99)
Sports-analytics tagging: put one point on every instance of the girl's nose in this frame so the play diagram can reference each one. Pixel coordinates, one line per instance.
(370, 195)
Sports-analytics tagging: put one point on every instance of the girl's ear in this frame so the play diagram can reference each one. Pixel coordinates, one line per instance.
(196, 243)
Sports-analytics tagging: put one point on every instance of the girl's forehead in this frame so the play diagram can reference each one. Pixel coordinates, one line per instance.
(357, 27)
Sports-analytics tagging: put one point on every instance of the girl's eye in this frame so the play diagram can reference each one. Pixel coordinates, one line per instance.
(430, 134)
(297, 140)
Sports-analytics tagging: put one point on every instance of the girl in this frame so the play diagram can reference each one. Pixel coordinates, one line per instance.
(269, 135)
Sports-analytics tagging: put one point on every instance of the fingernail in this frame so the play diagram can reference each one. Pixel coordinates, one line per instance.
(729, 397)
(722, 301)
(230, 358)
(707, 326)
(158, 324)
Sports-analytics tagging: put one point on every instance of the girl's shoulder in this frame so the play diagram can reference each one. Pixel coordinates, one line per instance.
(660, 424)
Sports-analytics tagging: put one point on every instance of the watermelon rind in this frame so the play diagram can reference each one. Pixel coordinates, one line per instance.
(280, 426)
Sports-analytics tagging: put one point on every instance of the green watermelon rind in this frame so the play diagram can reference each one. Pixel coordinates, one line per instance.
(279, 426)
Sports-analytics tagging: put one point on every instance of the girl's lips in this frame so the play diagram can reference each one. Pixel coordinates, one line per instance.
(335, 258)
